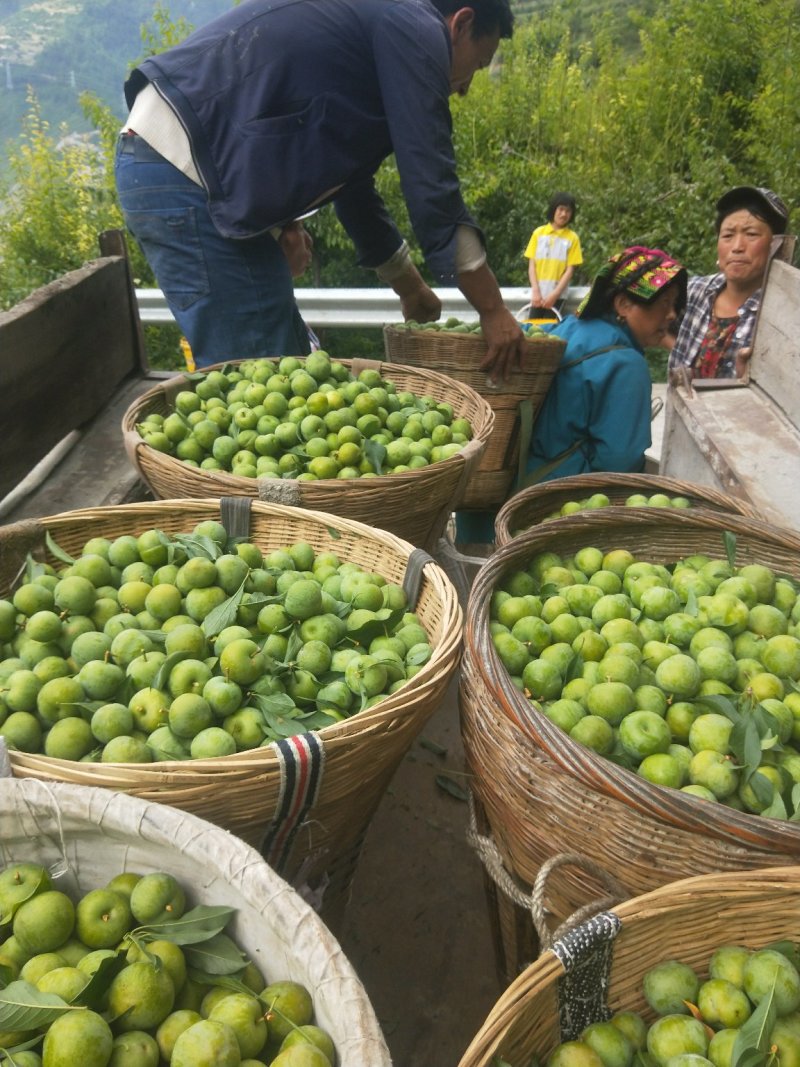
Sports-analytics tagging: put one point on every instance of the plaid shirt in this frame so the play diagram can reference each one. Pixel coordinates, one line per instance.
(702, 293)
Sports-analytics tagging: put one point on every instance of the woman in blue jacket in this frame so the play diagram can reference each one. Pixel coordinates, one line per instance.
(596, 414)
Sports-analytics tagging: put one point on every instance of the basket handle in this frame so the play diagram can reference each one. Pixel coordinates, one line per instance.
(534, 901)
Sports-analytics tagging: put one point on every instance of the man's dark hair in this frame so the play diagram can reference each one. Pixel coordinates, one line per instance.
(561, 200)
(491, 16)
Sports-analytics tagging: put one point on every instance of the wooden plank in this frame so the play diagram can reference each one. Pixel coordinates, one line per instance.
(66, 348)
(96, 471)
(775, 363)
(739, 442)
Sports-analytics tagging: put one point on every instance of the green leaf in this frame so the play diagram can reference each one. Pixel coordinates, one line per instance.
(293, 645)
(224, 615)
(55, 549)
(721, 704)
(384, 621)
(746, 746)
(316, 720)
(199, 924)
(222, 981)
(753, 1038)
(6, 975)
(95, 992)
(690, 607)
(729, 540)
(334, 533)
(200, 545)
(24, 1007)
(217, 955)
(432, 746)
(376, 454)
(789, 949)
(162, 674)
(449, 786)
(33, 567)
(274, 704)
(795, 815)
(284, 725)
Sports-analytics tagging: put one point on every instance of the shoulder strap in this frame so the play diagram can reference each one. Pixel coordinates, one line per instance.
(526, 430)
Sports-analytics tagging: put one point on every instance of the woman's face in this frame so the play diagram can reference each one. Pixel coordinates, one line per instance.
(649, 322)
(743, 248)
(562, 216)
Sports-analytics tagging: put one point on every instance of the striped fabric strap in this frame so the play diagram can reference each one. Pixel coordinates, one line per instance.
(302, 762)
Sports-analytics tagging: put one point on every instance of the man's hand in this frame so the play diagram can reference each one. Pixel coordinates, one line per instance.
(506, 344)
(418, 301)
(296, 244)
(422, 306)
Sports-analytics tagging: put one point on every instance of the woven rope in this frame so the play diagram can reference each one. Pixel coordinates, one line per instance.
(535, 900)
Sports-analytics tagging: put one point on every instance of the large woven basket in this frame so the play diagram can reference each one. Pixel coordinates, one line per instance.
(86, 836)
(686, 920)
(311, 837)
(534, 504)
(414, 505)
(458, 356)
(538, 793)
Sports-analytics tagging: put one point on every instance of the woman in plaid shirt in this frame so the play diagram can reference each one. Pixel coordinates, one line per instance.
(716, 332)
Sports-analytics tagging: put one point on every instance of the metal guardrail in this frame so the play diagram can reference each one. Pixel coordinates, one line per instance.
(323, 308)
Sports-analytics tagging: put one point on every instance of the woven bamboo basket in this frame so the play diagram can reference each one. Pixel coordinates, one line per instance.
(414, 505)
(533, 505)
(85, 836)
(250, 793)
(538, 793)
(458, 356)
(686, 920)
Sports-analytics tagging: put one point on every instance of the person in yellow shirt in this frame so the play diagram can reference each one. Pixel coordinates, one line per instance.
(553, 252)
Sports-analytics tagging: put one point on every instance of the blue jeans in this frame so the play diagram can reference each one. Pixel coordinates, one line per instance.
(233, 299)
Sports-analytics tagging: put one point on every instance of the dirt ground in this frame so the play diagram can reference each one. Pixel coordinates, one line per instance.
(417, 924)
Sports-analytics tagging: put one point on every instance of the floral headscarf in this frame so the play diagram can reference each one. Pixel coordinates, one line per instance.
(640, 272)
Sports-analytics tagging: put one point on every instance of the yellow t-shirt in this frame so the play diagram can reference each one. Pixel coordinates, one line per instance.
(553, 251)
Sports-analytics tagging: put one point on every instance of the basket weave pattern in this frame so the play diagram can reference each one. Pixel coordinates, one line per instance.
(414, 505)
(543, 793)
(686, 920)
(459, 356)
(532, 505)
(241, 792)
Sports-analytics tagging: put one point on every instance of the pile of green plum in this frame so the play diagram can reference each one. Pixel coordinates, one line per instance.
(745, 1011)
(128, 976)
(154, 647)
(307, 419)
(635, 500)
(455, 325)
(688, 674)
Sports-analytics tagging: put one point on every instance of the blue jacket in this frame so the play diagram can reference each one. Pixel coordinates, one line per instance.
(290, 104)
(604, 402)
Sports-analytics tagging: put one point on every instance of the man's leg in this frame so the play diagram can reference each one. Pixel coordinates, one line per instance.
(232, 299)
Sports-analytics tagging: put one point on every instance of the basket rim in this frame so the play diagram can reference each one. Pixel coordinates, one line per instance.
(579, 483)
(444, 655)
(580, 762)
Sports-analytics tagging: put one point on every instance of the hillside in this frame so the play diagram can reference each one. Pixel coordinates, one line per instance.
(61, 48)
